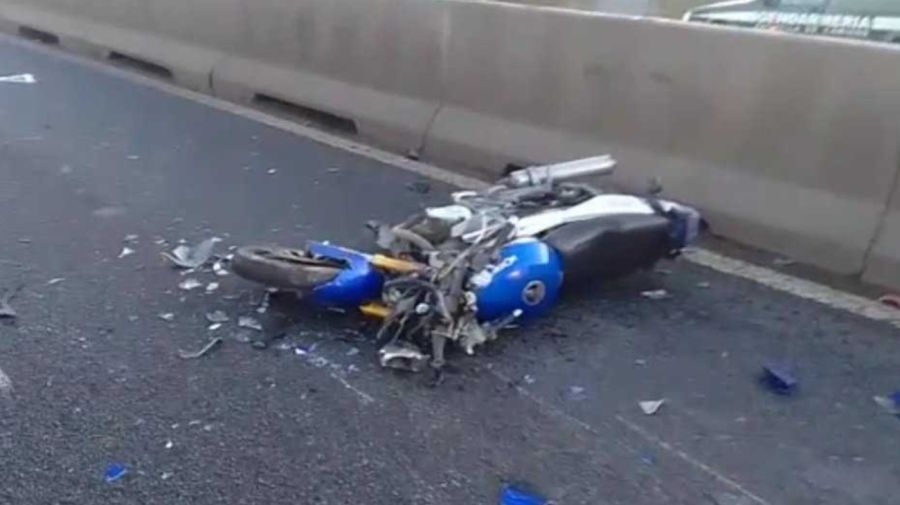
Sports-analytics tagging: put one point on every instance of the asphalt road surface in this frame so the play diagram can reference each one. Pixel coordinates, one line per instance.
(91, 374)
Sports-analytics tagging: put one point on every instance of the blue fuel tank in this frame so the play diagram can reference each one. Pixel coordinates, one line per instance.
(528, 277)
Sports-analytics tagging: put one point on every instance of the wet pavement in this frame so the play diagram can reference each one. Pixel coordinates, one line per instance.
(91, 374)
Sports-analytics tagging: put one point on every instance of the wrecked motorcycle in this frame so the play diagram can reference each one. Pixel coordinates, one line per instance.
(493, 258)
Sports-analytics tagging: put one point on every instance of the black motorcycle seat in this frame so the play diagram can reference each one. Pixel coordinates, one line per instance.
(610, 246)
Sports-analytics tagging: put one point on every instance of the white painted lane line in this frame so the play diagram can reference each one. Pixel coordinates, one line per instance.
(554, 411)
(6, 387)
(801, 288)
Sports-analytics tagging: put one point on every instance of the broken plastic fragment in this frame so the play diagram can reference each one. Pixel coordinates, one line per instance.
(249, 323)
(217, 317)
(189, 284)
(655, 294)
(6, 310)
(518, 495)
(126, 251)
(890, 300)
(214, 326)
(264, 303)
(115, 472)
(783, 262)
(202, 352)
(402, 356)
(131, 238)
(19, 79)
(55, 281)
(576, 393)
(651, 407)
(192, 257)
(212, 286)
(890, 404)
(166, 316)
(421, 187)
(219, 269)
(779, 378)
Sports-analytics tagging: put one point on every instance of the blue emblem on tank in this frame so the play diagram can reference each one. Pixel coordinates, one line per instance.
(357, 284)
(528, 277)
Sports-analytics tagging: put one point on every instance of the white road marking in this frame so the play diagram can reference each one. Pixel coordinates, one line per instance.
(775, 280)
(336, 371)
(554, 411)
(6, 387)
(801, 288)
(363, 396)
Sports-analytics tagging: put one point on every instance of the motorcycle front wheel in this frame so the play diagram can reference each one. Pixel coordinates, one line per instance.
(283, 268)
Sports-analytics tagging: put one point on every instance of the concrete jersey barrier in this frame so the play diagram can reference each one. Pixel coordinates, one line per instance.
(184, 37)
(377, 63)
(786, 143)
(777, 138)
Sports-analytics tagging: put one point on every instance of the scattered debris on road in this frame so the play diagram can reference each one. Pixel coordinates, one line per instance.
(890, 404)
(189, 284)
(126, 251)
(212, 344)
(166, 316)
(131, 238)
(420, 187)
(249, 323)
(512, 494)
(402, 356)
(115, 472)
(6, 296)
(19, 79)
(214, 326)
(655, 294)
(217, 317)
(192, 257)
(219, 269)
(651, 407)
(576, 393)
(890, 300)
(212, 286)
(528, 379)
(263, 304)
(55, 281)
(779, 378)
(783, 262)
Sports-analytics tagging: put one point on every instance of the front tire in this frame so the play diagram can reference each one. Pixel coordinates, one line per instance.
(284, 268)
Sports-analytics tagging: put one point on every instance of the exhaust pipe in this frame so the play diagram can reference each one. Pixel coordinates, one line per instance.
(535, 176)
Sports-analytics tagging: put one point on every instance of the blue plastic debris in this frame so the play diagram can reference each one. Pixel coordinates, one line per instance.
(516, 495)
(890, 404)
(779, 378)
(115, 472)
